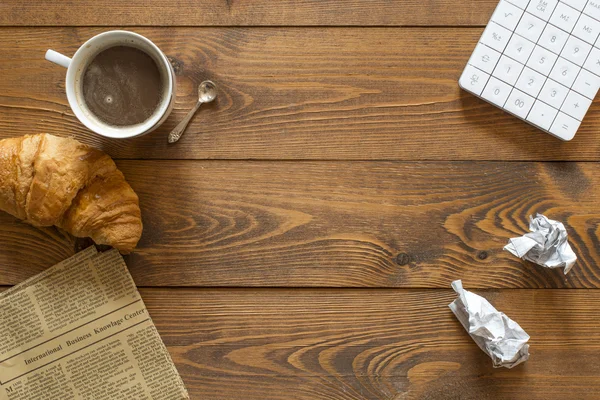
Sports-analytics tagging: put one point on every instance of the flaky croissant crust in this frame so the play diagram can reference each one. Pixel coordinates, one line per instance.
(47, 180)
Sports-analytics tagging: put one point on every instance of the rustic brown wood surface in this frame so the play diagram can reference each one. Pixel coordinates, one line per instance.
(343, 224)
(246, 13)
(295, 93)
(301, 238)
(372, 344)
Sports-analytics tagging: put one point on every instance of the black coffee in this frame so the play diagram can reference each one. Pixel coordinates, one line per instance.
(122, 86)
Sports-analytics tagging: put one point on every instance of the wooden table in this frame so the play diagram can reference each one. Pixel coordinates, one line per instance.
(301, 239)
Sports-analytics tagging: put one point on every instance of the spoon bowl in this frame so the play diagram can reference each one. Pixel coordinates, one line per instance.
(207, 92)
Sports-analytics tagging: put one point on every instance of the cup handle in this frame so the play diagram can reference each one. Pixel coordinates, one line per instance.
(58, 58)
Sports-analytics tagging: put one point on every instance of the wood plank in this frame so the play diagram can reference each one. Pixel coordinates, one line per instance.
(253, 13)
(372, 344)
(342, 224)
(298, 93)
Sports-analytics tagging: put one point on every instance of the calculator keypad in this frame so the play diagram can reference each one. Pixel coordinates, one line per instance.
(507, 15)
(508, 70)
(565, 126)
(496, 36)
(530, 82)
(553, 39)
(519, 49)
(540, 61)
(576, 105)
(592, 9)
(474, 80)
(522, 4)
(519, 103)
(576, 4)
(564, 17)
(587, 29)
(554, 93)
(496, 91)
(576, 51)
(530, 27)
(587, 84)
(485, 58)
(592, 63)
(542, 8)
(564, 72)
(542, 115)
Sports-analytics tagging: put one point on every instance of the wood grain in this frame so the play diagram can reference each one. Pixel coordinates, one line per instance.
(311, 85)
(339, 224)
(241, 13)
(295, 93)
(372, 344)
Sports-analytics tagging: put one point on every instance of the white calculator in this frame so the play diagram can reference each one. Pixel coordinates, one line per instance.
(540, 61)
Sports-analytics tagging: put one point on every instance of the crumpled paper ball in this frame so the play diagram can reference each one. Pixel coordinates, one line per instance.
(545, 245)
(498, 336)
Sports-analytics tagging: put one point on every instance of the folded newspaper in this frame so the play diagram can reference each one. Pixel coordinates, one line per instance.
(496, 334)
(80, 330)
(545, 245)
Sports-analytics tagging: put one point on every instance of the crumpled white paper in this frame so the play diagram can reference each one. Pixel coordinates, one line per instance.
(496, 334)
(545, 245)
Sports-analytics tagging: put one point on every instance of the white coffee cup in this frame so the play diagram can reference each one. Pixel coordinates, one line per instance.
(77, 65)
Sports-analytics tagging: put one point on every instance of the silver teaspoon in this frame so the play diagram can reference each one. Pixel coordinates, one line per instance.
(207, 91)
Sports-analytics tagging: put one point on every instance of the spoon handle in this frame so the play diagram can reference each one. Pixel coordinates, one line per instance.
(180, 128)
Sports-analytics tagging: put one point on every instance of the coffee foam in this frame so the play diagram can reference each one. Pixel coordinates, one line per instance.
(122, 86)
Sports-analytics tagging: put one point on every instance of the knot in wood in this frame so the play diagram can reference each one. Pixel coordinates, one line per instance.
(402, 259)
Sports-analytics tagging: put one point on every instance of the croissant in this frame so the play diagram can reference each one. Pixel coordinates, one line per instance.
(47, 180)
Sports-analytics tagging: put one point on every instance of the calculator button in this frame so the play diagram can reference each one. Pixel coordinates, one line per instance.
(576, 4)
(564, 72)
(519, 48)
(542, 60)
(564, 17)
(530, 27)
(553, 39)
(530, 82)
(508, 70)
(564, 127)
(593, 9)
(507, 15)
(593, 62)
(484, 58)
(522, 4)
(495, 36)
(576, 105)
(542, 115)
(542, 8)
(576, 50)
(587, 29)
(587, 84)
(473, 80)
(496, 92)
(554, 93)
(519, 103)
